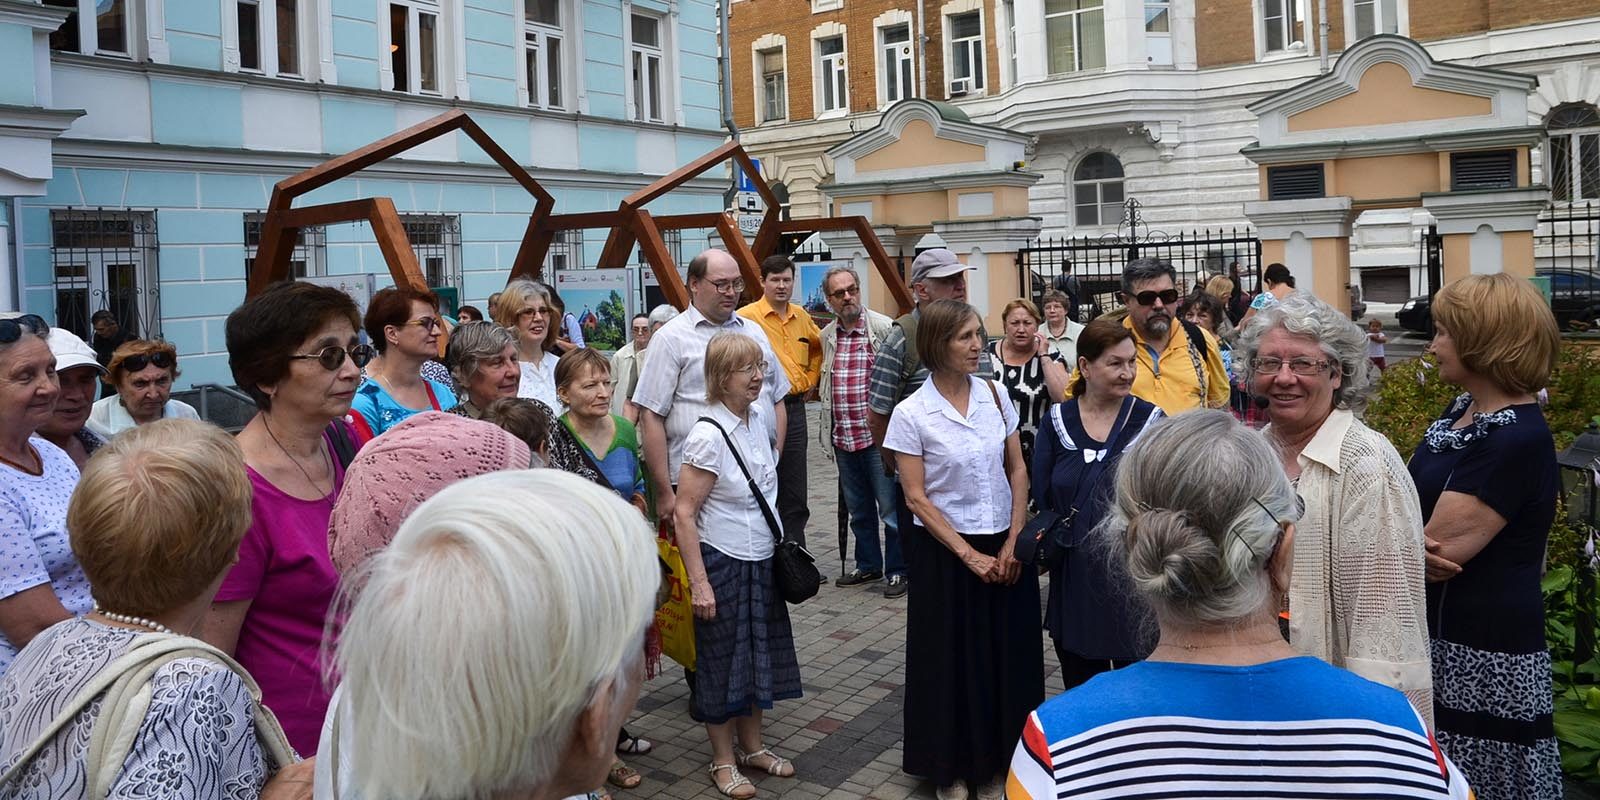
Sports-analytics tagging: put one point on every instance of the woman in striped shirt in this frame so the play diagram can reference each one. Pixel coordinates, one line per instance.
(1203, 520)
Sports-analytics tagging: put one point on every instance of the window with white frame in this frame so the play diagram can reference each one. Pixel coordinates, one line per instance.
(268, 36)
(894, 68)
(1371, 17)
(414, 46)
(309, 256)
(1075, 34)
(1009, 9)
(1158, 31)
(966, 52)
(542, 53)
(774, 85)
(1572, 156)
(110, 33)
(1281, 26)
(645, 52)
(831, 74)
(1097, 190)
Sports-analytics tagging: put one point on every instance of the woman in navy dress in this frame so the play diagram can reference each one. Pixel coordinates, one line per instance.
(1487, 476)
(1095, 622)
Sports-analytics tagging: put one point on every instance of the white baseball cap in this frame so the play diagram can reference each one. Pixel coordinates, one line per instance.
(70, 351)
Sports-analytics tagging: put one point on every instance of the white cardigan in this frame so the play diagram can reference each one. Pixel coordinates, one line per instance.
(1357, 597)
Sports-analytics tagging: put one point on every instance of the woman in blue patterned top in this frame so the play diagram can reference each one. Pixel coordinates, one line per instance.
(404, 325)
(583, 384)
(1487, 477)
(1203, 523)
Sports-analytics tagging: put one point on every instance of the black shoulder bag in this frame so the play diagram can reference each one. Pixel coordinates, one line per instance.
(1043, 541)
(794, 569)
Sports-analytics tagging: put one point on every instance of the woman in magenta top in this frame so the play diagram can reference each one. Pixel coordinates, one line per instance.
(295, 350)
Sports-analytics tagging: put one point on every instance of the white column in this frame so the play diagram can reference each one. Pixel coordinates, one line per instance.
(1032, 65)
(1125, 48)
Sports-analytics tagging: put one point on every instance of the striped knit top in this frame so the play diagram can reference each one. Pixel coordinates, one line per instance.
(1295, 728)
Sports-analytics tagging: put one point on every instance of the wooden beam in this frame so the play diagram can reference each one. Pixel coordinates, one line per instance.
(536, 241)
(733, 242)
(396, 248)
(880, 259)
(678, 222)
(660, 261)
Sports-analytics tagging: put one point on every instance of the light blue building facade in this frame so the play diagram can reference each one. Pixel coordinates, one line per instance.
(140, 140)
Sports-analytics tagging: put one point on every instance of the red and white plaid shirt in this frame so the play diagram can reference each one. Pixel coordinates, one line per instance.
(852, 370)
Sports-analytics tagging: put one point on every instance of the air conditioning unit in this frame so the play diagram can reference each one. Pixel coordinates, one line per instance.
(960, 86)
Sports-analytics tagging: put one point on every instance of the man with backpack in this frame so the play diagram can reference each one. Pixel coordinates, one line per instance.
(1179, 365)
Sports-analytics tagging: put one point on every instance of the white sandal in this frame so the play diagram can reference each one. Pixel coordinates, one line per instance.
(778, 768)
(736, 779)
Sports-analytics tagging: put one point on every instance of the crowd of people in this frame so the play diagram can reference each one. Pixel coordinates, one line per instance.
(427, 566)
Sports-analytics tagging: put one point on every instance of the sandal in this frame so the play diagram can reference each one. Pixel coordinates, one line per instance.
(776, 767)
(738, 786)
(623, 776)
(634, 746)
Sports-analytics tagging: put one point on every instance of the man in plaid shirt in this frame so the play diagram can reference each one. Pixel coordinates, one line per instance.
(849, 346)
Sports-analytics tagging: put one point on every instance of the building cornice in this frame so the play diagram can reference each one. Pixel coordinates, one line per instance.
(971, 180)
(35, 122)
(33, 15)
(894, 121)
(1502, 210)
(1322, 217)
(1527, 136)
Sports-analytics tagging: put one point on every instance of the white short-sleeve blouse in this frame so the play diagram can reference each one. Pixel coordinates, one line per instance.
(730, 520)
(963, 455)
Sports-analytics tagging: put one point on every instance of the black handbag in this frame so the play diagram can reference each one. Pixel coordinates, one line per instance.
(1043, 542)
(794, 569)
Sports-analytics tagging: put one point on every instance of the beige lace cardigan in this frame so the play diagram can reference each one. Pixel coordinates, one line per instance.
(1356, 599)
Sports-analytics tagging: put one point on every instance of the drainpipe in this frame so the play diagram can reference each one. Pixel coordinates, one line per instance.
(1322, 33)
(922, 55)
(725, 55)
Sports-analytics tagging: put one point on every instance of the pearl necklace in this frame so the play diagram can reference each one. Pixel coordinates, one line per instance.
(131, 620)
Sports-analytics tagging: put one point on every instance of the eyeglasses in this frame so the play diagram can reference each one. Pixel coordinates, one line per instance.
(759, 366)
(533, 312)
(426, 323)
(1167, 297)
(1299, 366)
(729, 286)
(845, 292)
(158, 360)
(11, 329)
(1299, 511)
(332, 357)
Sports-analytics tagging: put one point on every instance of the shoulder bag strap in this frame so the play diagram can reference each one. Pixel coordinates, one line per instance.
(761, 499)
(433, 400)
(1091, 476)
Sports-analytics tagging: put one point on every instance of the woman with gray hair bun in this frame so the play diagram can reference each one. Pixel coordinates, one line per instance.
(1357, 599)
(1205, 524)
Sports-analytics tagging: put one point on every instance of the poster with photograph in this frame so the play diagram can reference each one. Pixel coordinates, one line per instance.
(596, 298)
(808, 290)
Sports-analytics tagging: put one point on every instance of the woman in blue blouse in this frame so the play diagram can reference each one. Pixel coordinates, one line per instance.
(404, 327)
(583, 384)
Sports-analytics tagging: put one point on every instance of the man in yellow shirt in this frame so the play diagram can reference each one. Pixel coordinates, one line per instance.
(1179, 365)
(798, 344)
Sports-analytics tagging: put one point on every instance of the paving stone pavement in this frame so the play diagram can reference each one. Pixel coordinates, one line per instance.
(844, 735)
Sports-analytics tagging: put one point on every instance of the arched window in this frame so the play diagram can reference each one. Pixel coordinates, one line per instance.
(1097, 190)
(1573, 155)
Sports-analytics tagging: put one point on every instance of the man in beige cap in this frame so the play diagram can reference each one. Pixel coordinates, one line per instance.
(899, 371)
(80, 373)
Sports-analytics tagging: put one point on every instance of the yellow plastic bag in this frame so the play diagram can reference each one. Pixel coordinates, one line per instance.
(676, 617)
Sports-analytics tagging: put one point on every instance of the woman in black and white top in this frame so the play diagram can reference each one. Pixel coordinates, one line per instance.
(744, 649)
(1030, 369)
(975, 660)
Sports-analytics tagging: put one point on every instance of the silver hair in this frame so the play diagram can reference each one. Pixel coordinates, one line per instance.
(661, 315)
(1200, 502)
(1341, 340)
(1140, 270)
(832, 271)
(472, 343)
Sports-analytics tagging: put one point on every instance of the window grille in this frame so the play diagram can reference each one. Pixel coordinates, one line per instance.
(105, 260)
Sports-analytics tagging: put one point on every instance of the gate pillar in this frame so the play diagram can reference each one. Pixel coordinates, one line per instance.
(1489, 231)
(1312, 239)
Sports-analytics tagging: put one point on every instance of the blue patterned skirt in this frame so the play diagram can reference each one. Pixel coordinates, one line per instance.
(744, 656)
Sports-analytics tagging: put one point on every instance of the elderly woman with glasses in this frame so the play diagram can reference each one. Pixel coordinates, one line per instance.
(1205, 527)
(525, 309)
(404, 325)
(142, 372)
(1356, 599)
(294, 349)
(40, 580)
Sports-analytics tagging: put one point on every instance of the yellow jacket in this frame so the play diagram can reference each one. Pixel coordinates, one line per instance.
(796, 341)
(1180, 379)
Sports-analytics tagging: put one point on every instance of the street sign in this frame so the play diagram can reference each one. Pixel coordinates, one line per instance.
(745, 184)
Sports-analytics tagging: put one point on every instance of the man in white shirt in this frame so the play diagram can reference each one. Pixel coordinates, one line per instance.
(625, 368)
(671, 394)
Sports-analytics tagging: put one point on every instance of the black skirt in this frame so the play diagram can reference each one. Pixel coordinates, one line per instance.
(974, 663)
(744, 656)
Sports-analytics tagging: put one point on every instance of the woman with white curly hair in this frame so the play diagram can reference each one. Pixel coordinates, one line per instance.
(1357, 597)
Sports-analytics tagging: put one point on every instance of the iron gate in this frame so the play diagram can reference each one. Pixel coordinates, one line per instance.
(1566, 250)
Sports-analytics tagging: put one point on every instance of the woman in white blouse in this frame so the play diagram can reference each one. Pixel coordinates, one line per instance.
(975, 660)
(524, 308)
(1356, 599)
(744, 649)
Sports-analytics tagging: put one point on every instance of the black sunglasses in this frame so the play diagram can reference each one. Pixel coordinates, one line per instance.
(332, 357)
(159, 360)
(11, 329)
(1167, 296)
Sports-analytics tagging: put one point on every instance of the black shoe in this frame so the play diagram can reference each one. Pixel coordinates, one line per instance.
(896, 587)
(858, 577)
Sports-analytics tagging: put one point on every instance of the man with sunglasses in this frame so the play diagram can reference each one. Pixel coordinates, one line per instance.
(1178, 365)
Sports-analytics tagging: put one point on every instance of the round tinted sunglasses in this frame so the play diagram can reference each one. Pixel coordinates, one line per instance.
(11, 329)
(332, 357)
(158, 360)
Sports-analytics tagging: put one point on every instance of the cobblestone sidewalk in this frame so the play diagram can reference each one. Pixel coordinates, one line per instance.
(845, 734)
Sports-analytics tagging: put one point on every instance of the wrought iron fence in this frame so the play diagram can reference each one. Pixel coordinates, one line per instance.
(1566, 246)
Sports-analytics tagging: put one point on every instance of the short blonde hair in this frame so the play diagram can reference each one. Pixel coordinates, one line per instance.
(510, 301)
(1220, 287)
(485, 629)
(1026, 305)
(1502, 328)
(159, 514)
(727, 352)
(940, 322)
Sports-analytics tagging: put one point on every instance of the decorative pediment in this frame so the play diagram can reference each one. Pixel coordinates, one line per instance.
(919, 138)
(1388, 87)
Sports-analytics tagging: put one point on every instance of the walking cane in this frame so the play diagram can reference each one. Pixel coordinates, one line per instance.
(844, 527)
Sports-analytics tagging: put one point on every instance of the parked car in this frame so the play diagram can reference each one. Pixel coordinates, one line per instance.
(1573, 295)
